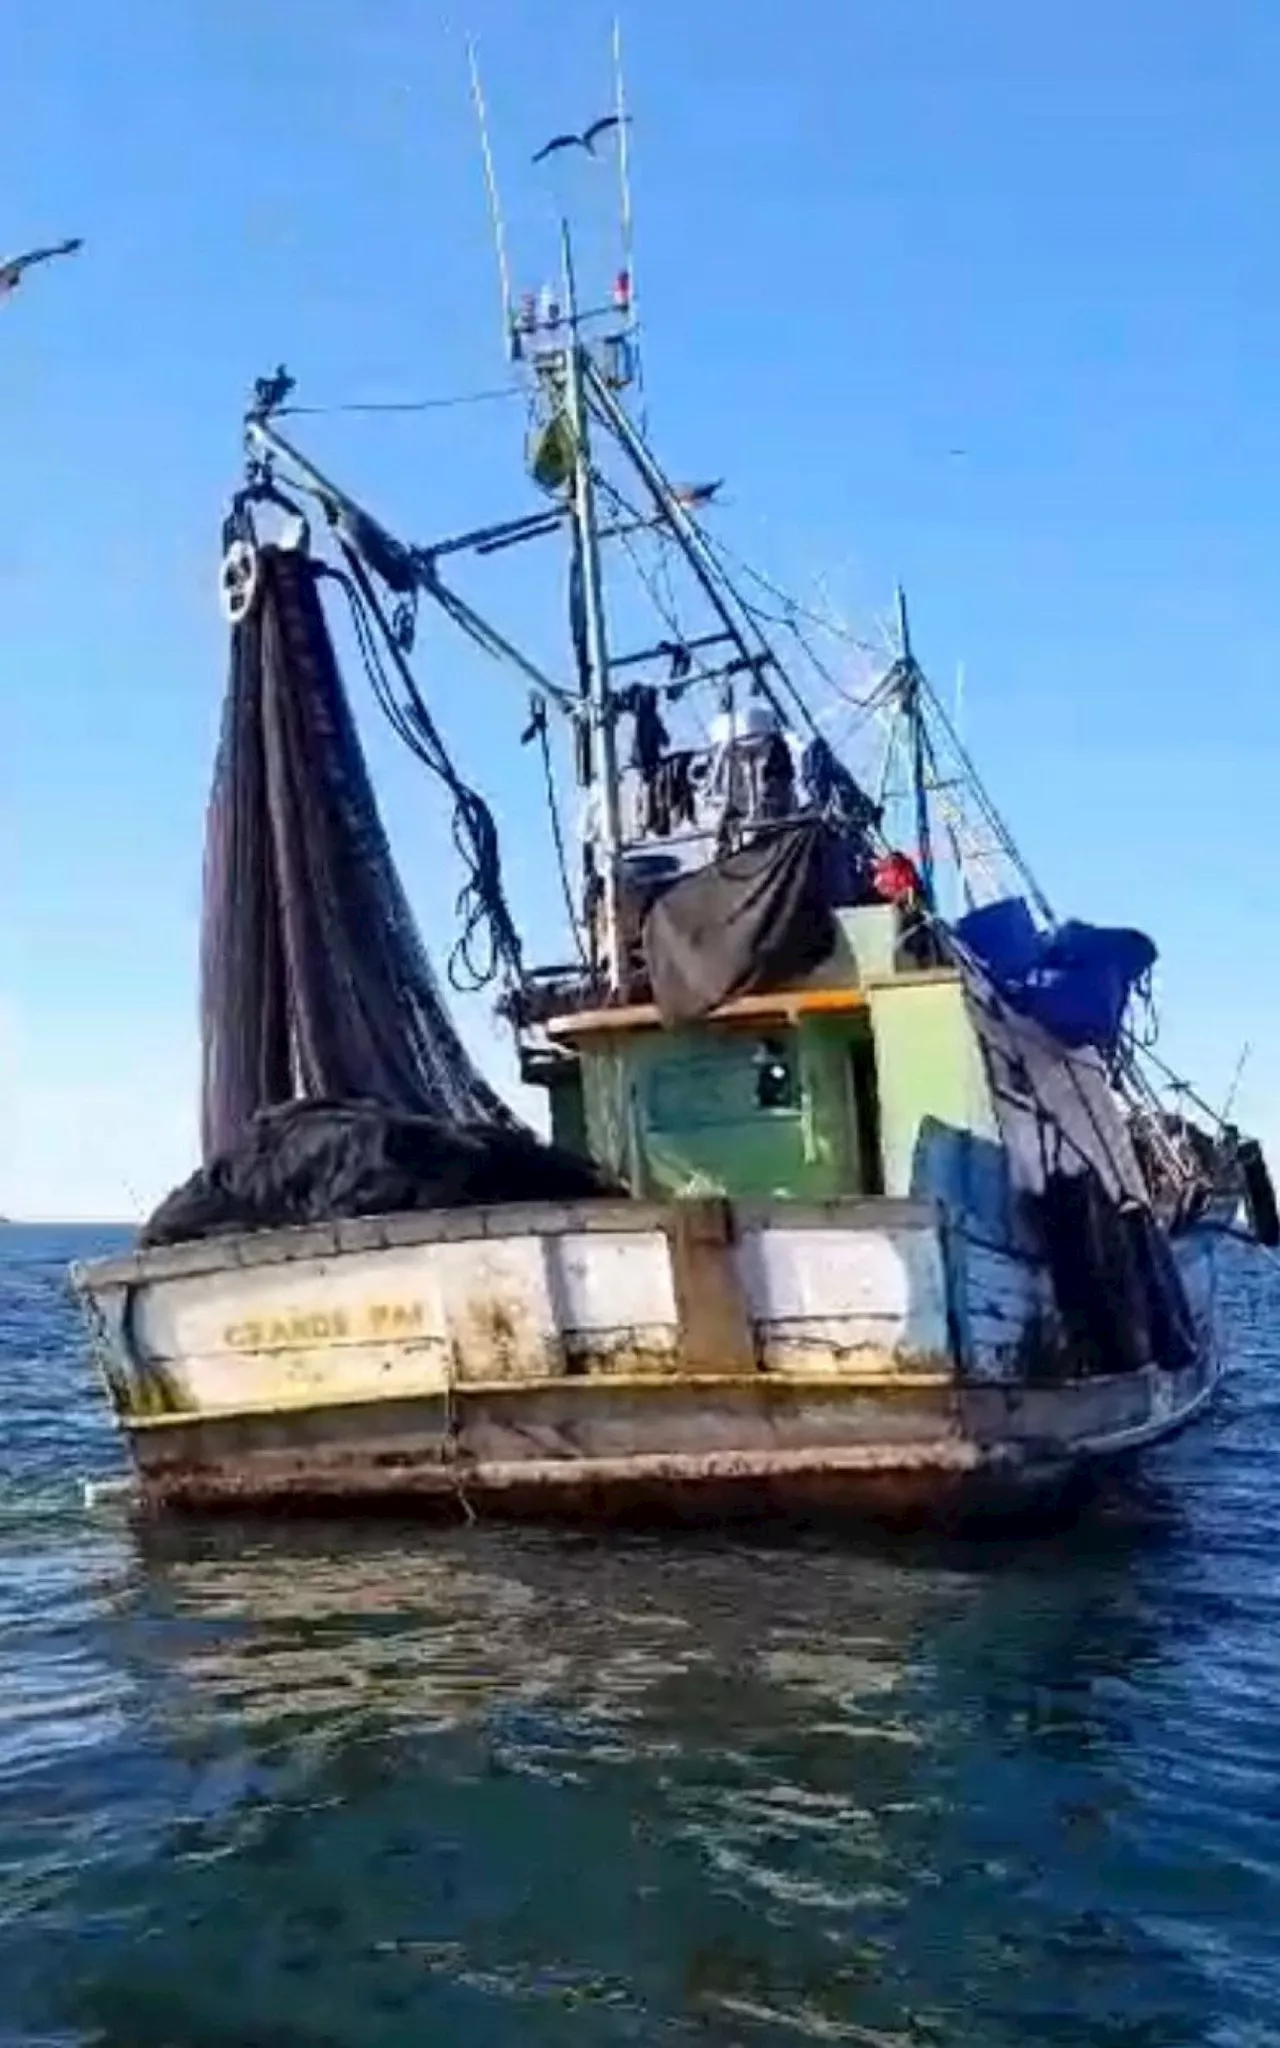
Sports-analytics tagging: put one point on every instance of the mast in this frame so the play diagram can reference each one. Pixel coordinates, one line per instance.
(575, 386)
(914, 713)
(603, 755)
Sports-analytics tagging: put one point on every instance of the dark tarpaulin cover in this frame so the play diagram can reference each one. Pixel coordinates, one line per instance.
(313, 1162)
(315, 986)
(752, 920)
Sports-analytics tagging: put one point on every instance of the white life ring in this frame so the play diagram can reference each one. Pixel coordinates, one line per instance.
(238, 581)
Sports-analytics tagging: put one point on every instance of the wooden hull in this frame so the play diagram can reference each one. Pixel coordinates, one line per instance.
(917, 1460)
(605, 1362)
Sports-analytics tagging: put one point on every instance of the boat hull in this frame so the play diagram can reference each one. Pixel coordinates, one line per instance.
(605, 1362)
(924, 1459)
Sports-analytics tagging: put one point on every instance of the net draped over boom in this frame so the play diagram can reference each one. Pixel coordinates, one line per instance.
(315, 984)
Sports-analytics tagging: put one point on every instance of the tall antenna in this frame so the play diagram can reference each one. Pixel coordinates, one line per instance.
(628, 229)
(624, 163)
(495, 204)
(919, 761)
(604, 763)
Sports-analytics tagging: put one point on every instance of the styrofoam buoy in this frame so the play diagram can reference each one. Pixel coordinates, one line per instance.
(238, 581)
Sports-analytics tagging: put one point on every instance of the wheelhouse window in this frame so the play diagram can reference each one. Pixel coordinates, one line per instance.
(775, 1075)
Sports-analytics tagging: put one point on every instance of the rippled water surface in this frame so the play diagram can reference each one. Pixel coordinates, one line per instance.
(379, 1786)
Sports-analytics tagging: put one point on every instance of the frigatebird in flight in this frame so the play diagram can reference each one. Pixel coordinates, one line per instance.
(587, 139)
(15, 269)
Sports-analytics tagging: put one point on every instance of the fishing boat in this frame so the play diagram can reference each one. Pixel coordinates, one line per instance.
(861, 1195)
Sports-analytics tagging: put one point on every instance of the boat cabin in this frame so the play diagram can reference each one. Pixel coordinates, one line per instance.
(815, 1092)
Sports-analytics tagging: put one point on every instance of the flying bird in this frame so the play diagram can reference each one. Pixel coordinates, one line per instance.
(13, 272)
(587, 139)
(691, 496)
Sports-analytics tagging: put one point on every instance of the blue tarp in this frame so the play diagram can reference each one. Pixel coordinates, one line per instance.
(1075, 981)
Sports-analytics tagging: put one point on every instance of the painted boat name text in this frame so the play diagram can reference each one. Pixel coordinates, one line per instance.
(325, 1326)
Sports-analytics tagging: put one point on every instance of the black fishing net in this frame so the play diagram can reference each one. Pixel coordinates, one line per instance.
(317, 1162)
(315, 982)
(334, 1082)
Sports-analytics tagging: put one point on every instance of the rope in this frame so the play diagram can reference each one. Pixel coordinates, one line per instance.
(995, 823)
(728, 556)
(538, 730)
(481, 904)
(793, 610)
(399, 404)
(764, 659)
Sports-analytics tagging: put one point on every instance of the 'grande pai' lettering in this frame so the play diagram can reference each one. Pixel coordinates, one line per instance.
(303, 1328)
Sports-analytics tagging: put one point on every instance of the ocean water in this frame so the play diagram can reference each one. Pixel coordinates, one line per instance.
(375, 1786)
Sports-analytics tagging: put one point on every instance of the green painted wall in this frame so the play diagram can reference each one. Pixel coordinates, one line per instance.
(680, 1112)
(607, 1103)
(931, 1077)
(568, 1111)
(701, 1128)
(832, 1140)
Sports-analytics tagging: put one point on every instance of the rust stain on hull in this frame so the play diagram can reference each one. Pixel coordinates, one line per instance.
(853, 1365)
(922, 1456)
(902, 1485)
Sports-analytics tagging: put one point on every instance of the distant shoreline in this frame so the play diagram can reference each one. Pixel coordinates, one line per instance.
(65, 1223)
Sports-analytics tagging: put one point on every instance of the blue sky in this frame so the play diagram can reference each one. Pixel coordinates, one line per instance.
(870, 235)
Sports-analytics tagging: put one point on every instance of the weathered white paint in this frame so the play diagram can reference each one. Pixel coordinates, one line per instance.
(494, 1302)
(393, 1320)
(551, 1337)
(314, 1328)
(610, 1281)
(819, 1298)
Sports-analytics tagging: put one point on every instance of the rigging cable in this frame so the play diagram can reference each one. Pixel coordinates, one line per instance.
(537, 729)
(995, 822)
(697, 552)
(400, 404)
(862, 705)
(793, 609)
(729, 558)
(866, 707)
(663, 604)
(787, 621)
(663, 601)
(481, 903)
(763, 659)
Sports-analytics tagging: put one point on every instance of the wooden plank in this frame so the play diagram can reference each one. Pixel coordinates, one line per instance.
(1007, 1298)
(785, 1003)
(713, 1322)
